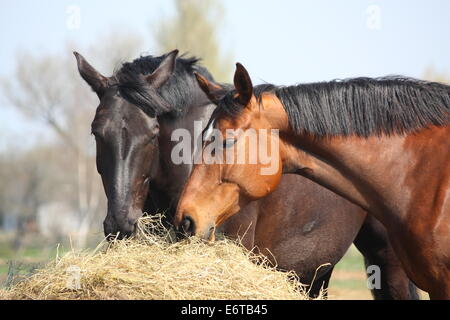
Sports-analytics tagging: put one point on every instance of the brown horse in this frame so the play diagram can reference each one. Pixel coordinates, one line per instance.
(381, 143)
(302, 224)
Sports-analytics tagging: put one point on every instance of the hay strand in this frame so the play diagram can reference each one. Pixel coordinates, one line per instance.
(152, 266)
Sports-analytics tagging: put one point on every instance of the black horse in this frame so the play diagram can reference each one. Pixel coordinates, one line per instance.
(143, 103)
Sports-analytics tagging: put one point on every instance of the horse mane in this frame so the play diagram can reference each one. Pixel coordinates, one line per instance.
(359, 106)
(174, 97)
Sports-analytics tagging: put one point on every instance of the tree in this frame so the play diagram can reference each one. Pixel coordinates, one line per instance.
(49, 89)
(195, 29)
(432, 75)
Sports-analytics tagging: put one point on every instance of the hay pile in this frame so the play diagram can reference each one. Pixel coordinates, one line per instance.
(151, 267)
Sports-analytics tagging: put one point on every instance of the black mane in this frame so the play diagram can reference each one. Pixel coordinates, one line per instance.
(173, 97)
(359, 106)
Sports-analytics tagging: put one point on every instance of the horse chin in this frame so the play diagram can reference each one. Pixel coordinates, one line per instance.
(121, 226)
(209, 234)
(121, 233)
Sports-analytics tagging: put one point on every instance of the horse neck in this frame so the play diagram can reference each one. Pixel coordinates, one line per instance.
(380, 174)
(173, 176)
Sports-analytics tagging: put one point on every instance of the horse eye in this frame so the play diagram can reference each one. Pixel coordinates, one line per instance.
(228, 143)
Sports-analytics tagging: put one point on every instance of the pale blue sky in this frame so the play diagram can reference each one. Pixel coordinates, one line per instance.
(282, 42)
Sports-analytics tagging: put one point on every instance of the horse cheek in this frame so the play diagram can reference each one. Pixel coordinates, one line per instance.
(264, 184)
(273, 181)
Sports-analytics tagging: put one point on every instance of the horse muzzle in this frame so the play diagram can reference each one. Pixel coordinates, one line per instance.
(187, 228)
(120, 228)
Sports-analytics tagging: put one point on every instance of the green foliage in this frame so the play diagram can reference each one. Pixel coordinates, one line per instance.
(352, 261)
(195, 29)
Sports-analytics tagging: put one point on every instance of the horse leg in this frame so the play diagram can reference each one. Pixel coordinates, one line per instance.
(441, 293)
(372, 241)
(422, 246)
(441, 252)
(421, 254)
(424, 265)
(321, 284)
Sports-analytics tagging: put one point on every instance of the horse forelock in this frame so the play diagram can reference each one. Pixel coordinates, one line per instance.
(174, 97)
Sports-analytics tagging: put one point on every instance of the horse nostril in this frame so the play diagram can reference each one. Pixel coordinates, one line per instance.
(188, 225)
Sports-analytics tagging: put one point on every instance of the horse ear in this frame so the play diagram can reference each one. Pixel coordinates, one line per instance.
(243, 84)
(212, 90)
(95, 80)
(164, 70)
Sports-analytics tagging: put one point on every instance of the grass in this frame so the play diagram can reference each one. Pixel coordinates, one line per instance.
(352, 261)
(16, 264)
(6, 251)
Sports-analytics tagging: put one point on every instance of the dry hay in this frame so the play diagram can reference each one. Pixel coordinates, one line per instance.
(151, 267)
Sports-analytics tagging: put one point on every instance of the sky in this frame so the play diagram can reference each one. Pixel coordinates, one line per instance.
(282, 42)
